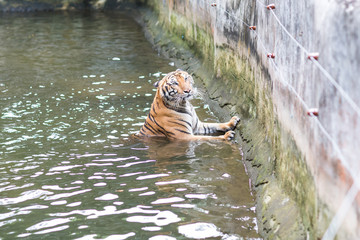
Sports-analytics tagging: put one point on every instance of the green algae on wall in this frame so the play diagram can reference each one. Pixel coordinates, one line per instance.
(277, 168)
(238, 84)
(199, 40)
(277, 172)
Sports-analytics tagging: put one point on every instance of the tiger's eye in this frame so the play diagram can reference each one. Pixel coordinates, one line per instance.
(173, 81)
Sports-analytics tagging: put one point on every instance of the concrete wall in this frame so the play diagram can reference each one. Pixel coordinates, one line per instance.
(281, 143)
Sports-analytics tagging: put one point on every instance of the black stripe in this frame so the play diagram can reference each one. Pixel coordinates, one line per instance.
(151, 117)
(182, 110)
(178, 109)
(204, 129)
(182, 131)
(149, 129)
(208, 128)
(196, 124)
(213, 129)
(142, 132)
(165, 132)
(183, 125)
(153, 108)
(155, 130)
(165, 95)
(182, 120)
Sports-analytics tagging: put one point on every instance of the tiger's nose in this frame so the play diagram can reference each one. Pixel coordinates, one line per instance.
(187, 91)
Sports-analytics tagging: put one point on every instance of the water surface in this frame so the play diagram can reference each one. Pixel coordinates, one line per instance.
(73, 88)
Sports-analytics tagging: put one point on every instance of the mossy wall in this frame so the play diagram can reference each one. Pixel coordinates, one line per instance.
(236, 87)
(293, 166)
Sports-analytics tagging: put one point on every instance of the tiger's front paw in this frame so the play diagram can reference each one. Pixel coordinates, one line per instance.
(234, 122)
(229, 135)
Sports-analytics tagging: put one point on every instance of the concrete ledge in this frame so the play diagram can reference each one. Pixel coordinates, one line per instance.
(283, 147)
(278, 214)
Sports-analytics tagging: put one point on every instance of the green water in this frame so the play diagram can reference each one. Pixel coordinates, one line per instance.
(73, 88)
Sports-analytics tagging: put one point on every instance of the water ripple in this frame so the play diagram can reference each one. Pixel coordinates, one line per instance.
(150, 176)
(57, 188)
(51, 230)
(49, 223)
(176, 181)
(168, 200)
(28, 195)
(162, 237)
(66, 195)
(151, 228)
(111, 237)
(68, 165)
(63, 168)
(116, 159)
(135, 163)
(163, 218)
(107, 197)
(199, 230)
(131, 174)
(14, 187)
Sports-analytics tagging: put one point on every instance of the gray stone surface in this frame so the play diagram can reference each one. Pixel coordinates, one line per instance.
(282, 143)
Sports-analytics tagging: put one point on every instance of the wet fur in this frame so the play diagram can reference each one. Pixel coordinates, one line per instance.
(172, 115)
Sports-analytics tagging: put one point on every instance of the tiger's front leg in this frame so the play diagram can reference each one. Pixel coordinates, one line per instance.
(210, 128)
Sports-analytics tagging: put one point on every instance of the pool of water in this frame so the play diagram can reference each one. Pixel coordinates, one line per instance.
(73, 88)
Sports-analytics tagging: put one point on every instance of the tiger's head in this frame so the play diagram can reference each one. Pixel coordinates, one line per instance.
(176, 86)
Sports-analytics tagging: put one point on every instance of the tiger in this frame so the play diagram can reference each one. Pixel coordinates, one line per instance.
(173, 116)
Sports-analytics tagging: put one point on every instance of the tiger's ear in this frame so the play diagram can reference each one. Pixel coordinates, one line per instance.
(156, 84)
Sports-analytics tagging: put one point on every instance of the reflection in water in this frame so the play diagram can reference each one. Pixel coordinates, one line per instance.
(162, 149)
(73, 89)
(199, 230)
